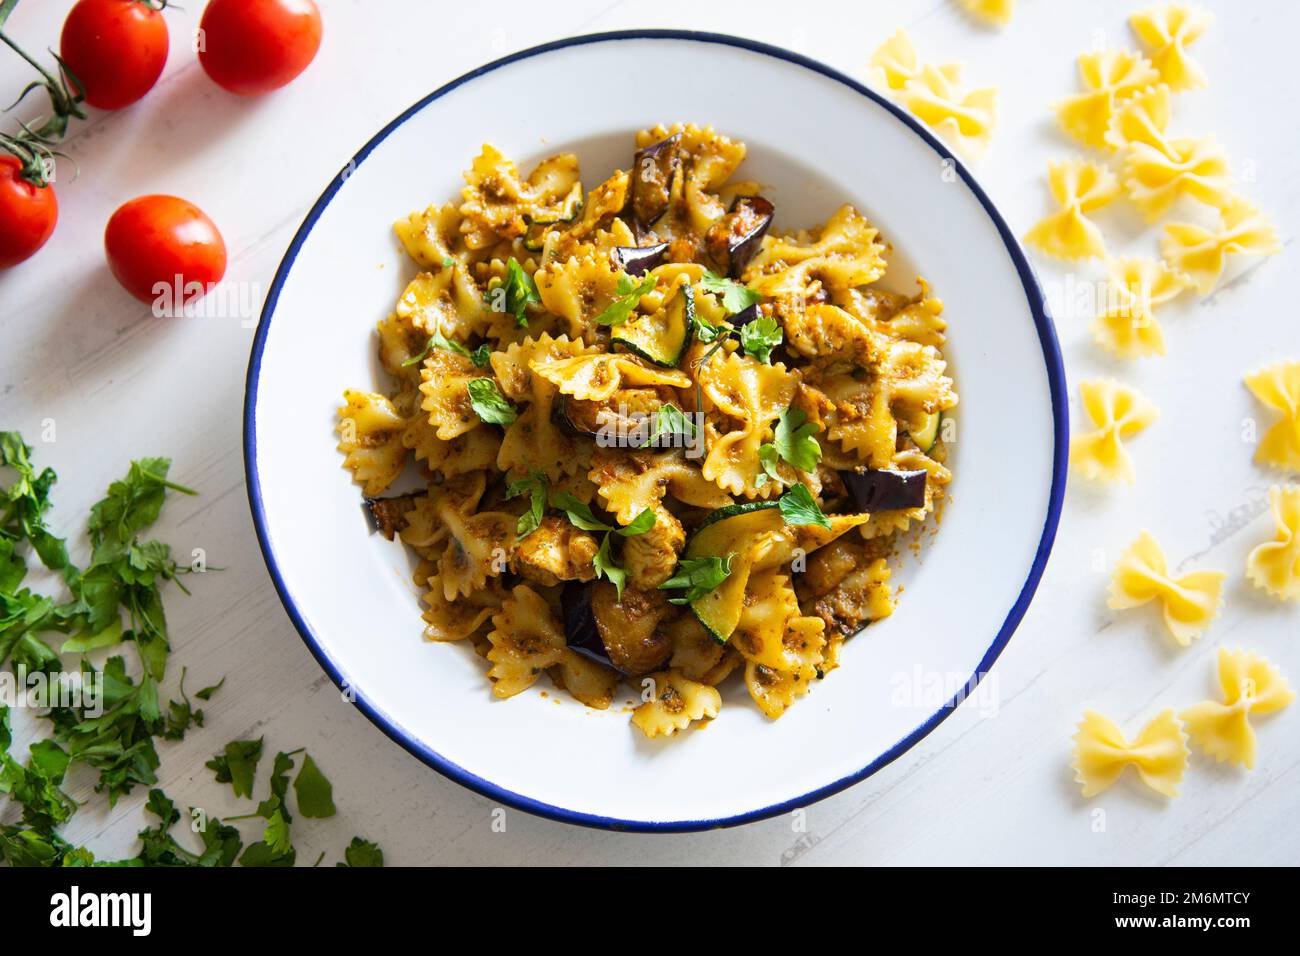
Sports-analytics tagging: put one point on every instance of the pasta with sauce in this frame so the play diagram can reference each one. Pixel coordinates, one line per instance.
(658, 441)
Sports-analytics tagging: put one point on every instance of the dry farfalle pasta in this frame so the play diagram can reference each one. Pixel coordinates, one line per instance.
(1126, 324)
(1189, 601)
(1159, 169)
(934, 94)
(635, 409)
(1108, 78)
(1118, 412)
(1167, 30)
(1278, 387)
(1201, 253)
(1079, 187)
(1274, 566)
(995, 12)
(1102, 752)
(1251, 687)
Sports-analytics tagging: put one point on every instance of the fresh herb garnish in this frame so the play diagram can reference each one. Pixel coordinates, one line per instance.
(629, 294)
(520, 292)
(237, 765)
(488, 402)
(581, 516)
(438, 341)
(736, 297)
(760, 336)
(536, 488)
(793, 440)
(799, 507)
(699, 576)
(670, 420)
(607, 568)
(362, 853)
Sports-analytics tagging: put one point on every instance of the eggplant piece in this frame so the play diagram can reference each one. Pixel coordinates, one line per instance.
(746, 315)
(884, 489)
(388, 515)
(653, 169)
(580, 630)
(734, 239)
(638, 260)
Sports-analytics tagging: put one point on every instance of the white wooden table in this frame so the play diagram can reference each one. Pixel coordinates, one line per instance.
(116, 383)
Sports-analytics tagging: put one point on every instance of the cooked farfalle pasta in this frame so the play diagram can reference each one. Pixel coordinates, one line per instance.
(1251, 686)
(1118, 412)
(1079, 187)
(1126, 324)
(1159, 169)
(635, 412)
(1201, 253)
(1189, 601)
(1167, 30)
(1108, 78)
(934, 94)
(996, 12)
(1278, 387)
(1101, 753)
(1274, 566)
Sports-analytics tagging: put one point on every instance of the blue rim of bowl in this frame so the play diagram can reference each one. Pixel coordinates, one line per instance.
(1056, 384)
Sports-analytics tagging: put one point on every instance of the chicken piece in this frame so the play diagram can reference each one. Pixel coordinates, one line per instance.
(650, 558)
(555, 552)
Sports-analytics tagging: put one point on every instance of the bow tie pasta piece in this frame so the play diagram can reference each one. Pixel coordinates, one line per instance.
(444, 385)
(1201, 253)
(746, 396)
(370, 437)
(472, 451)
(1167, 30)
(526, 639)
(895, 62)
(1278, 387)
(1190, 602)
(1274, 566)
(631, 482)
(1101, 752)
(1155, 177)
(533, 442)
(965, 119)
(775, 689)
(995, 12)
(577, 290)
(1119, 412)
(462, 618)
(594, 378)
(1251, 685)
(676, 702)
(1127, 325)
(1108, 77)
(498, 205)
(1079, 187)
(1141, 118)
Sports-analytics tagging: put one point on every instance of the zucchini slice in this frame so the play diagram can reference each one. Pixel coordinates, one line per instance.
(926, 436)
(730, 530)
(757, 534)
(662, 336)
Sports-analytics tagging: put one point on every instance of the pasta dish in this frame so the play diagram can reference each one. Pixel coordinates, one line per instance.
(659, 442)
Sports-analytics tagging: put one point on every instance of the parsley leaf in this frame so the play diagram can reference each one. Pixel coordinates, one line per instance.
(629, 294)
(362, 853)
(581, 516)
(24, 503)
(669, 420)
(520, 291)
(794, 440)
(799, 507)
(481, 356)
(608, 569)
(536, 488)
(488, 402)
(438, 341)
(237, 765)
(699, 576)
(760, 336)
(736, 297)
(768, 459)
(314, 792)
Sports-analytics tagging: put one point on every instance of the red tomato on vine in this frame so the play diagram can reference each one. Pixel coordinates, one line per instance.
(115, 50)
(27, 213)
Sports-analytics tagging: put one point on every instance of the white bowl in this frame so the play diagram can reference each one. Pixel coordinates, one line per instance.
(816, 139)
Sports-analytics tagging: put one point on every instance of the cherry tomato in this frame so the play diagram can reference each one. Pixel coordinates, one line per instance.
(116, 50)
(163, 239)
(27, 214)
(252, 47)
